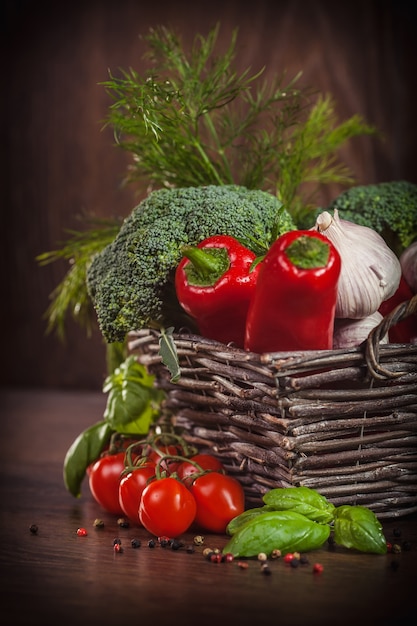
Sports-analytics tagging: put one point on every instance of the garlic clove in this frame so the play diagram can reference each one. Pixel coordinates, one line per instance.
(350, 333)
(370, 270)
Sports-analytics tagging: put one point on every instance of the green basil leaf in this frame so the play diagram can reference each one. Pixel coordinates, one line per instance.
(303, 500)
(237, 522)
(133, 402)
(358, 527)
(287, 531)
(168, 353)
(85, 449)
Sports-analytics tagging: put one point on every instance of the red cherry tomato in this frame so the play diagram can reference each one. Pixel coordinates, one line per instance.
(186, 470)
(131, 487)
(219, 499)
(104, 479)
(167, 507)
(167, 464)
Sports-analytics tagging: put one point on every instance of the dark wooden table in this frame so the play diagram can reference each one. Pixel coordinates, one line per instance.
(55, 576)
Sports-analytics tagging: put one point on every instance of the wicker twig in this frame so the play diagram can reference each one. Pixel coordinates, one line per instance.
(341, 421)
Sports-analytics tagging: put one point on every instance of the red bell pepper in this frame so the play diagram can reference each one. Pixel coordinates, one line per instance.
(294, 303)
(214, 283)
(404, 331)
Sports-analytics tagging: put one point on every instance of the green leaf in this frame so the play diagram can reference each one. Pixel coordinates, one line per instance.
(237, 522)
(168, 353)
(358, 527)
(85, 449)
(133, 403)
(287, 531)
(303, 500)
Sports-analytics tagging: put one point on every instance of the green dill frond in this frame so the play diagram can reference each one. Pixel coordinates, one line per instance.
(70, 296)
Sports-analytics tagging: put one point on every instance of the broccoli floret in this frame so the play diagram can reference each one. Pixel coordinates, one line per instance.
(390, 208)
(130, 282)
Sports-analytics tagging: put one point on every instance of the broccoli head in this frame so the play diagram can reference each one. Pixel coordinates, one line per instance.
(131, 281)
(390, 208)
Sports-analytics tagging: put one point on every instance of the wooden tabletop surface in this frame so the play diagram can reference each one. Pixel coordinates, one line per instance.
(54, 576)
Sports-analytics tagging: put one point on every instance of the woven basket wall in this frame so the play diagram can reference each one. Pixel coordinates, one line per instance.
(343, 422)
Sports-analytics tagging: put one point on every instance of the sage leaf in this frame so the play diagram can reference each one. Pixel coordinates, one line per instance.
(85, 449)
(287, 531)
(168, 353)
(358, 527)
(303, 500)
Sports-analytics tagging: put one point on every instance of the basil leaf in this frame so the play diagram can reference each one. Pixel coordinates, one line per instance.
(168, 353)
(358, 527)
(133, 402)
(303, 500)
(85, 449)
(237, 522)
(287, 531)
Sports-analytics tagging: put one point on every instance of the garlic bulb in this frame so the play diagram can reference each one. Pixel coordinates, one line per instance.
(350, 333)
(408, 261)
(370, 271)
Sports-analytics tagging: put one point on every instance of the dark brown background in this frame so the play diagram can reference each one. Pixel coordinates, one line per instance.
(58, 162)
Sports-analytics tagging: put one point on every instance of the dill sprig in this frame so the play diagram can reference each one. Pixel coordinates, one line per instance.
(70, 296)
(193, 119)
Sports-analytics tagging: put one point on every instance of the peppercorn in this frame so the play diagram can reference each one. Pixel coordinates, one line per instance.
(397, 532)
(82, 532)
(117, 541)
(123, 522)
(136, 543)
(190, 549)
(275, 554)
(228, 557)
(98, 523)
(396, 548)
(151, 543)
(265, 569)
(262, 556)
(33, 529)
(118, 548)
(198, 540)
(176, 544)
(243, 564)
(318, 568)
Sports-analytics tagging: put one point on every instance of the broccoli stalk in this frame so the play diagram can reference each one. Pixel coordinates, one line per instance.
(130, 281)
(390, 208)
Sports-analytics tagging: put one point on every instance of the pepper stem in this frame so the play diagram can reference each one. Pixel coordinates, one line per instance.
(206, 265)
(308, 252)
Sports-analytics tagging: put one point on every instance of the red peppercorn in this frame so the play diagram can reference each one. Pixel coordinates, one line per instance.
(288, 557)
(82, 532)
(318, 568)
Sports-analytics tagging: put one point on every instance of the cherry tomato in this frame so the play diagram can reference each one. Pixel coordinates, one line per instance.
(219, 499)
(169, 465)
(104, 479)
(186, 470)
(167, 507)
(131, 487)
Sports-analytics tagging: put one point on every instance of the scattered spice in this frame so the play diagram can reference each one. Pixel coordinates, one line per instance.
(118, 548)
(33, 529)
(136, 543)
(198, 540)
(117, 541)
(243, 564)
(98, 523)
(318, 568)
(82, 532)
(123, 522)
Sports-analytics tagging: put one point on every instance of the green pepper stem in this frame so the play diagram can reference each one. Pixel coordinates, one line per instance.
(308, 252)
(206, 265)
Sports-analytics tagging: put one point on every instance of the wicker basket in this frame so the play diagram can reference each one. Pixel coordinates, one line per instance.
(343, 422)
